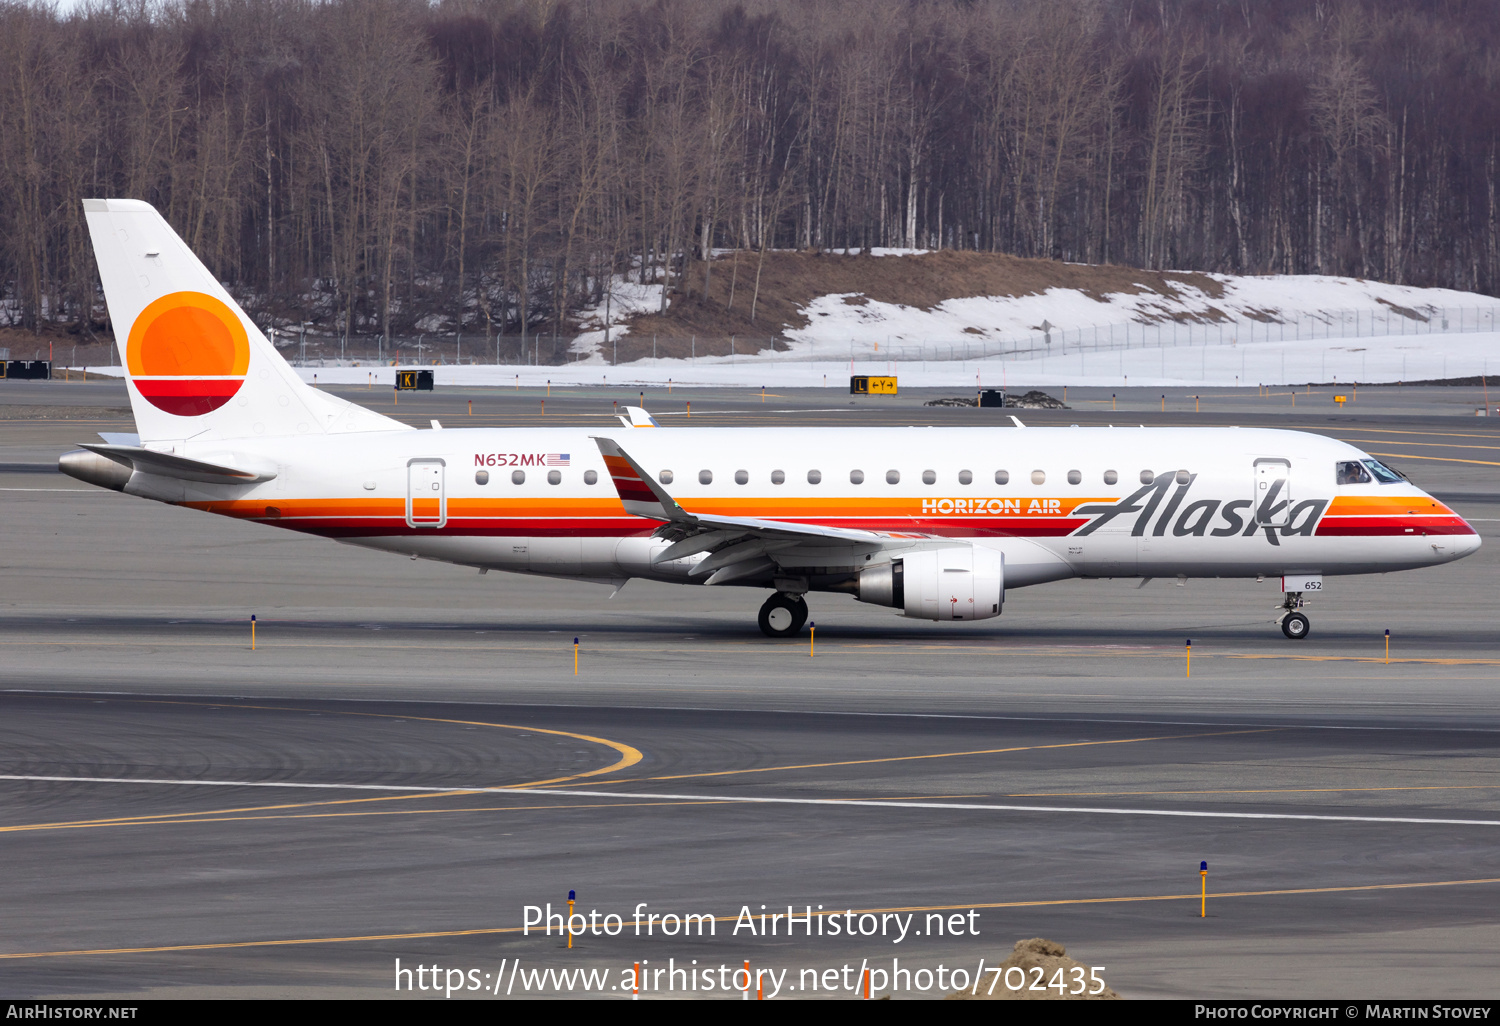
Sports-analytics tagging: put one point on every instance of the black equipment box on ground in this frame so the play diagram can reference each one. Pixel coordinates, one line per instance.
(414, 381)
(37, 370)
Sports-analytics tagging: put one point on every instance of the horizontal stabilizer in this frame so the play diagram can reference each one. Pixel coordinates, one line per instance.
(148, 461)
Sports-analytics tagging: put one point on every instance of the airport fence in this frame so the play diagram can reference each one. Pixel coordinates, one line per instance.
(453, 348)
(311, 349)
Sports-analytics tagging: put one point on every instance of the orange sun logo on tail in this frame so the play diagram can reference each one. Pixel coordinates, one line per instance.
(188, 353)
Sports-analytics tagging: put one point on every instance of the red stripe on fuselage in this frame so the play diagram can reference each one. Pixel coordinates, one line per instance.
(1380, 527)
(629, 526)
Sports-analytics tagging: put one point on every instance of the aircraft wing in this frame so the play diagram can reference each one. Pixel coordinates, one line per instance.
(738, 546)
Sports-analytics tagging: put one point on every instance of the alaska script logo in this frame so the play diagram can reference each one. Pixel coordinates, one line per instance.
(1213, 517)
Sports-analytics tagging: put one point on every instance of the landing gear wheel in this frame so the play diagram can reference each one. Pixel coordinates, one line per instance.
(1295, 626)
(782, 616)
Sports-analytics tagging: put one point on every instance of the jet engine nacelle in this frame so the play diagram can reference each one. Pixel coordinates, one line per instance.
(956, 583)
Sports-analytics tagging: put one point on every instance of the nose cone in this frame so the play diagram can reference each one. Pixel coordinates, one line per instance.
(1466, 544)
(1452, 537)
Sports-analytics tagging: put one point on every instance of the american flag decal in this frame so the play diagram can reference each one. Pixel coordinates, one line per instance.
(556, 459)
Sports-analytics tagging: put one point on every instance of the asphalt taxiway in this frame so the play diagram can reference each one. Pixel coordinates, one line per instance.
(407, 759)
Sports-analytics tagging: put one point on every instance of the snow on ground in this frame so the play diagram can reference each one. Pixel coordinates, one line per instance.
(1379, 359)
(881, 251)
(626, 299)
(1308, 305)
(1280, 329)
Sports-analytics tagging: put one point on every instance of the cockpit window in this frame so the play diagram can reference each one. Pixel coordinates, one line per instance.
(1383, 473)
(1352, 472)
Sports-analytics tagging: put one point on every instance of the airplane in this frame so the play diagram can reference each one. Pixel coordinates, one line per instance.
(936, 523)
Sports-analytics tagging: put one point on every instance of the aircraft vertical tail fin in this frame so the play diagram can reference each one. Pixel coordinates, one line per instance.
(196, 365)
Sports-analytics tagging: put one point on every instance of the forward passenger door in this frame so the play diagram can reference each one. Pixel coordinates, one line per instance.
(1273, 492)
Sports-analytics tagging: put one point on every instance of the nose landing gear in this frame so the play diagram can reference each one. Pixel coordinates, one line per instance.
(1294, 624)
(783, 615)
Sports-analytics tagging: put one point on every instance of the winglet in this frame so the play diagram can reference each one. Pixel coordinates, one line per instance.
(636, 417)
(640, 495)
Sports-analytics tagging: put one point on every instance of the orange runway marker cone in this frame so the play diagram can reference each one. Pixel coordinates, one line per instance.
(575, 657)
(252, 633)
(570, 920)
(1189, 657)
(1387, 646)
(1203, 907)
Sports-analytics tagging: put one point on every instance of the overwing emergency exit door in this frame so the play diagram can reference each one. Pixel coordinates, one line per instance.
(1273, 492)
(426, 494)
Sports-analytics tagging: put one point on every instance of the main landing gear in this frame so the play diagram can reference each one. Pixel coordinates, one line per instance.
(1294, 624)
(783, 615)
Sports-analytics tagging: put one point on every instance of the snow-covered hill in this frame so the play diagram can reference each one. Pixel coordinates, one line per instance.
(1200, 309)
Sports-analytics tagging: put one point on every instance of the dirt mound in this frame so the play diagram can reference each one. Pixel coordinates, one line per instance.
(1035, 400)
(1028, 956)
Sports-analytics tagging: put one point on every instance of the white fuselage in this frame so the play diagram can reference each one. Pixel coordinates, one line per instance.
(1058, 502)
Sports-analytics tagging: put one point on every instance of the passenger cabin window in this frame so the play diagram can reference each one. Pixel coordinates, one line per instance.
(665, 477)
(930, 477)
(518, 477)
(1352, 472)
(1384, 474)
(965, 477)
(1110, 477)
(705, 477)
(1002, 477)
(814, 476)
(590, 477)
(778, 477)
(741, 477)
(1038, 477)
(1183, 477)
(856, 477)
(1147, 476)
(482, 477)
(554, 477)
(1075, 477)
(893, 477)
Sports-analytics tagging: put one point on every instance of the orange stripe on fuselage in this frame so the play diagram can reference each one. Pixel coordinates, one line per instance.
(1386, 506)
(939, 511)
